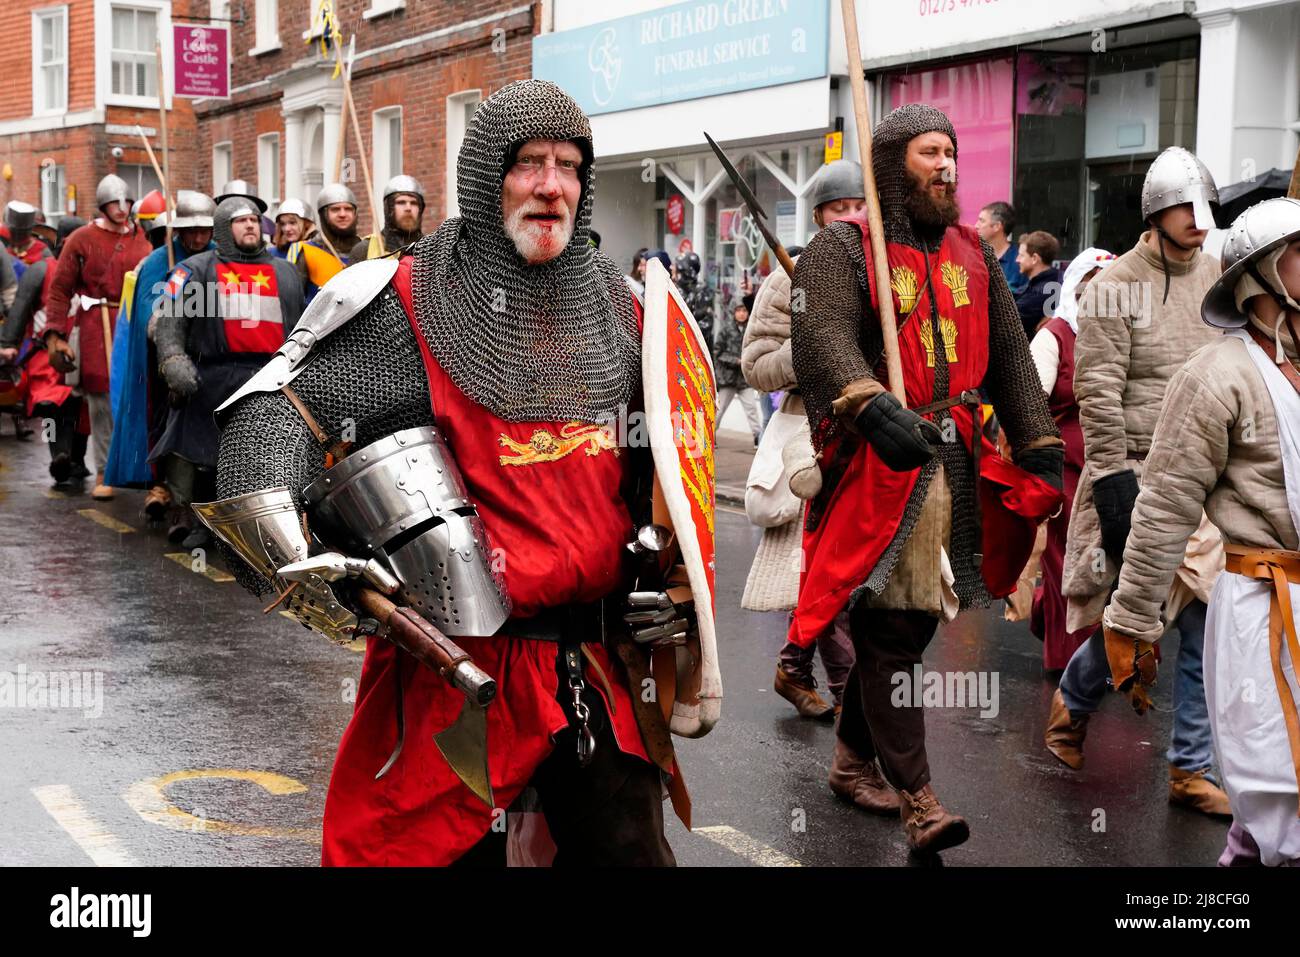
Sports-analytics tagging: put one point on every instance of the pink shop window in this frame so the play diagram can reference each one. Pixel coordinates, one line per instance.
(978, 98)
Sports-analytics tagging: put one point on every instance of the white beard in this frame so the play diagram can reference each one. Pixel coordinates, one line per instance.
(535, 244)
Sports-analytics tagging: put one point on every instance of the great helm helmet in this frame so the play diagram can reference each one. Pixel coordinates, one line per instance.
(402, 183)
(1253, 235)
(241, 187)
(335, 193)
(1175, 177)
(112, 189)
(841, 179)
(193, 209)
(19, 215)
(295, 207)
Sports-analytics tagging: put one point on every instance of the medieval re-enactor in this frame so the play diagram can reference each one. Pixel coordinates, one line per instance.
(403, 215)
(1228, 442)
(223, 313)
(516, 338)
(896, 533)
(84, 296)
(1138, 325)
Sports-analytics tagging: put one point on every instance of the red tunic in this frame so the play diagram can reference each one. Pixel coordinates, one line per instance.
(35, 252)
(43, 383)
(866, 507)
(549, 495)
(92, 263)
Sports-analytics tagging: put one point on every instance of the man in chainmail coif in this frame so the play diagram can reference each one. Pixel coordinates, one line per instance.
(911, 495)
(520, 342)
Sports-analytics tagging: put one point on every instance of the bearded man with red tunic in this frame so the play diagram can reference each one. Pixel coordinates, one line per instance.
(475, 377)
(918, 517)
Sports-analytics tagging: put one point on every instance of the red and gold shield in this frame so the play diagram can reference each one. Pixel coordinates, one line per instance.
(681, 409)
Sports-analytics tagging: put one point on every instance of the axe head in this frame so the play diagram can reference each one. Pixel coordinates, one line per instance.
(464, 744)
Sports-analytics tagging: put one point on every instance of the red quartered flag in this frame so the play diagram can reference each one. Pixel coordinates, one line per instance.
(250, 307)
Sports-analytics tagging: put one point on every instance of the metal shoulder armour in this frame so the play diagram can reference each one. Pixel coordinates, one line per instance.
(345, 295)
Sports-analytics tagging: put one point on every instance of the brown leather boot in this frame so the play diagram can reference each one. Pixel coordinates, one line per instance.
(1064, 736)
(804, 697)
(1192, 789)
(156, 503)
(930, 828)
(860, 782)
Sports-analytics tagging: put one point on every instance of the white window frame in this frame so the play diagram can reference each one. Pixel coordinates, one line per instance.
(385, 165)
(382, 8)
(266, 26)
(223, 165)
(457, 121)
(54, 185)
(268, 180)
(104, 95)
(38, 68)
(314, 28)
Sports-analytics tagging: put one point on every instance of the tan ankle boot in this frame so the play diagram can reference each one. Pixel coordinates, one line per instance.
(860, 782)
(930, 828)
(101, 492)
(1192, 789)
(806, 700)
(1064, 736)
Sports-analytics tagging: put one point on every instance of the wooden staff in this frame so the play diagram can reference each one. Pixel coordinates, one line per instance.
(875, 225)
(1294, 191)
(168, 200)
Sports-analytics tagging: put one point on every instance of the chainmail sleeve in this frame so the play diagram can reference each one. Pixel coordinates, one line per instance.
(834, 342)
(1012, 379)
(367, 376)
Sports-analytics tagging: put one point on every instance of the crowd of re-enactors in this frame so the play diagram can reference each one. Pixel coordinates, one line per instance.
(106, 353)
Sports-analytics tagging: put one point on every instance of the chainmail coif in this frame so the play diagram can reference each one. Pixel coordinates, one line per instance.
(228, 210)
(889, 162)
(554, 341)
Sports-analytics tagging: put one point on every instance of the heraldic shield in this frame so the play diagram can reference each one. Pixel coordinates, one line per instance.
(680, 407)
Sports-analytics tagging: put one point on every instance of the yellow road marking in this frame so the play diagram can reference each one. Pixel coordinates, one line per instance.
(186, 561)
(108, 521)
(148, 798)
(100, 846)
(56, 494)
(756, 852)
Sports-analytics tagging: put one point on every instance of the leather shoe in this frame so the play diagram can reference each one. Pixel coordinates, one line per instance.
(804, 697)
(101, 492)
(860, 782)
(156, 503)
(1192, 789)
(1065, 734)
(930, 828)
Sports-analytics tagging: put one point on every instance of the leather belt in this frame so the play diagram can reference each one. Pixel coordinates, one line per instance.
(565, 623)
(1281, 568)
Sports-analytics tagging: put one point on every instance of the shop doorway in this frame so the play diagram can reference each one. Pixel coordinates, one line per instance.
(1115, 203)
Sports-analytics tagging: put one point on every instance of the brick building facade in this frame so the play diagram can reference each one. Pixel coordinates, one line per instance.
(79, 76)
(419, 70)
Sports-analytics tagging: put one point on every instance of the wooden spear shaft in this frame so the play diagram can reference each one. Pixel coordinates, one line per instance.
(164, 174)
(875, 224)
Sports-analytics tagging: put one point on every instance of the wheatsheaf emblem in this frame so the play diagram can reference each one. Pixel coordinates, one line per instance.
(903, 281)
(955, 278)
(948, 330)
(546, 446)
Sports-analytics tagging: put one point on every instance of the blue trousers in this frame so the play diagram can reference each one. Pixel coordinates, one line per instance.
(1085, 680)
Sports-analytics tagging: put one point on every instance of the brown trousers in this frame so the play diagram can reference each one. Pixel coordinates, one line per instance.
(886, 642)
(607, 814)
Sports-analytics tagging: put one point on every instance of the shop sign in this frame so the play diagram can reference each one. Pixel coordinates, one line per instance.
(676, 214)
(686, 51)
(201, 61)
(728, 221)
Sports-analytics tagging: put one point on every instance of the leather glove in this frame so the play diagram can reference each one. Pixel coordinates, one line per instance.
(1114, 497)
(1132, 667)
(180, 375)
(1046, 464)
(900, 437)
(60, 354)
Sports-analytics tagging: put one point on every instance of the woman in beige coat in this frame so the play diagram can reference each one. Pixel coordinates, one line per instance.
(773, 583)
